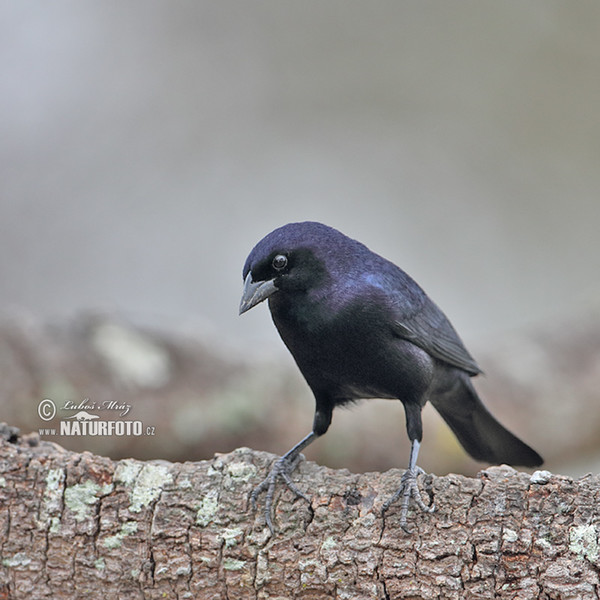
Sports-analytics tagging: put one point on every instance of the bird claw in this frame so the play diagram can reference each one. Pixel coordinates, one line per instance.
(408, 489)
(281, 469)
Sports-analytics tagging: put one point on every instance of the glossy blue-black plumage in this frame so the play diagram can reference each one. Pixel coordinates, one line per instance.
(360, 327)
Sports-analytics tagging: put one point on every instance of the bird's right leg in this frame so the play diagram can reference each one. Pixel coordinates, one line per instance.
(281, 469)
(408, 488)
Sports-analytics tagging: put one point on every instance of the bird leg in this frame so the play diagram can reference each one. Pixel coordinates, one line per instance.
(281, 469)
(408, 488)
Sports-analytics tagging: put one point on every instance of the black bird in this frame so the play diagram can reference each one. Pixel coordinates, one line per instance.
(359, 327)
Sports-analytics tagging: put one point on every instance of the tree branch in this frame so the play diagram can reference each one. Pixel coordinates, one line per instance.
(78, 525)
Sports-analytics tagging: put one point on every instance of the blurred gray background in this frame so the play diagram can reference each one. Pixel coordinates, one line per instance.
(145, 147)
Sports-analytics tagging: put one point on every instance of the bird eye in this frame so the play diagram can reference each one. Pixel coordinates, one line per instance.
(279, 262)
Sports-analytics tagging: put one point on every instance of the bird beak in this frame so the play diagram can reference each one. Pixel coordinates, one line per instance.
(255, 292)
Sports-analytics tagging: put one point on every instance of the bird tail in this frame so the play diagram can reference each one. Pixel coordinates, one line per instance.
(481, 435)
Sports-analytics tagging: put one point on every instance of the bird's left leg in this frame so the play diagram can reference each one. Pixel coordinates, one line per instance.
(281, 469)
(408, 488)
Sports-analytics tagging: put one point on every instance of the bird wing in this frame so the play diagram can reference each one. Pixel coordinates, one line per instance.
(430, 329)
(416, 318)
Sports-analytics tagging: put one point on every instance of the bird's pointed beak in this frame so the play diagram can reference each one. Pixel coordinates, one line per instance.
(255, 292)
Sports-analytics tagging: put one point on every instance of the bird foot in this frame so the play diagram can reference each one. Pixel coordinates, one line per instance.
(281, 469)
(408, 489)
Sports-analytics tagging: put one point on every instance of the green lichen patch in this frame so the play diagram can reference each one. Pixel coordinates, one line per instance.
(241, 470)
(208, 508)
(149, 485)
(583, 541)
(145, 481)
(52, 499)
(114, 541)
(231, 537)
(80, 497)
(231, 564)
(127, 471)
(54, 525)
(20, 559)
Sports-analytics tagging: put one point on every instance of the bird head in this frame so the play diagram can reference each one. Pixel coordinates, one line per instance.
(291, 259)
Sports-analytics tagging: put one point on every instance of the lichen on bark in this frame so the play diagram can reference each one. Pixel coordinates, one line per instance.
(75, 525)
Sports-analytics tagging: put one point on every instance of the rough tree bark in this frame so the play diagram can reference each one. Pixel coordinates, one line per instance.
(83, 526)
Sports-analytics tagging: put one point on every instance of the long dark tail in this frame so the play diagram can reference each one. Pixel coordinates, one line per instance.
(481, 435)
